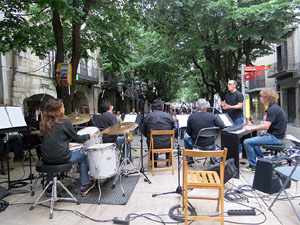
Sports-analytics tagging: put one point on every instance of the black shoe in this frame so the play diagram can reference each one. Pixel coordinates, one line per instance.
(49, 191)
(86, 188)
(190, 162)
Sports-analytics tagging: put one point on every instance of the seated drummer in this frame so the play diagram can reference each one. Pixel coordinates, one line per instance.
(56, 132)
(106, 120)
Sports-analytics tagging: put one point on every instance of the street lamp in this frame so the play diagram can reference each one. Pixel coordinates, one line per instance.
(134, 89)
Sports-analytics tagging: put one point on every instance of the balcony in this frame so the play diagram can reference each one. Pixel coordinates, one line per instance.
(88, 74)
(285, 68)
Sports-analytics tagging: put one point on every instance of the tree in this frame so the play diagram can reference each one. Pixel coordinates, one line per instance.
(154, 62)
(218, 36)
(70, 27)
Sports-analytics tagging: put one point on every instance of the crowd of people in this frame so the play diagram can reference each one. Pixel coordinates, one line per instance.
(57, 131)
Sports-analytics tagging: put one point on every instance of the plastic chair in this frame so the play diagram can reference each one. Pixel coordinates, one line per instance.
(162, 150)
(206, 133)
(290, 173)
(203, 180)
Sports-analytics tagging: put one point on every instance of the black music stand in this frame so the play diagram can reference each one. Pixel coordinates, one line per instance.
(182, 123)
(12, 120)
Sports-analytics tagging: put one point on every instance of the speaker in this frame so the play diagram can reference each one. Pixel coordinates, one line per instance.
(265, 179)
(230, 170)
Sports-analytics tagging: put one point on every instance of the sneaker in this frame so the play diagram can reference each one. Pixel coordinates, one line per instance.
(84, 189)
(249, 169)
(49, 191)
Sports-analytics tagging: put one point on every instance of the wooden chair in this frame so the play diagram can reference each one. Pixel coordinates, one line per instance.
(203, 180)
(152, 150)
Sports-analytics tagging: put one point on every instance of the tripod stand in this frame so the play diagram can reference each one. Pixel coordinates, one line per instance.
(178, 189)
(142, 170)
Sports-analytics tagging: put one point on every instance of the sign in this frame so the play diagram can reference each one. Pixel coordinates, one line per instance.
(252, 73)
(64, 74)
(256, 68)
(249, 78)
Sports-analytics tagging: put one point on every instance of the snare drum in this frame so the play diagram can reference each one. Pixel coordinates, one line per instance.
(91, 130)
(102, 160)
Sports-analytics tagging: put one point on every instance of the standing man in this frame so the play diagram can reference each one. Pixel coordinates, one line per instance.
(158, 120)
(233, 104)
(275, 125)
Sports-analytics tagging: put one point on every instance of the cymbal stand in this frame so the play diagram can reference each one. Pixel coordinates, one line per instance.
(123, 166)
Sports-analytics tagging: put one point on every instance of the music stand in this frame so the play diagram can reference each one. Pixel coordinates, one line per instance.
(11, 120)
(182, 123)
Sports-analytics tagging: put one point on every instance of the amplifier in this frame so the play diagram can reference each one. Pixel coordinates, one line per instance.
(265, 178)
(230, 170)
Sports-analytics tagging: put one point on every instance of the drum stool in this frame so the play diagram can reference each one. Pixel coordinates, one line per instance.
(55, 169)
(273, 149)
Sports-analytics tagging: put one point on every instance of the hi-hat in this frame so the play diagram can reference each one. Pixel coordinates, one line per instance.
(79, 118)
(120, 128)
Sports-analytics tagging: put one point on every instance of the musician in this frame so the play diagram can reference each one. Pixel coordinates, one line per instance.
(196, 122)
(233, 104)
(56, 132)
(158, 120)
(275, 125)
(108, 119)
(15, 145)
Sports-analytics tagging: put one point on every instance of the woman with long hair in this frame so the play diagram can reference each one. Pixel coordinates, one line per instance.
(57, 131)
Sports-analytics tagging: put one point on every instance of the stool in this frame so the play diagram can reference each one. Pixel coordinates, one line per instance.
(55, 169)
(273, 149)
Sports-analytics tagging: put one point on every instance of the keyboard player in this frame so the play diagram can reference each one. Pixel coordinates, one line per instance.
(275, 125)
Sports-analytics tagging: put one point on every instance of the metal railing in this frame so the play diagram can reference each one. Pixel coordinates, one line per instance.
(285, 65)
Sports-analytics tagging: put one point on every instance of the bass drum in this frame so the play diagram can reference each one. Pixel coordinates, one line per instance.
(102, 160)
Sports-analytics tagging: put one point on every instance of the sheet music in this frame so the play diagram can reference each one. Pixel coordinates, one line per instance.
(4, 120)
(16, 116)
(130, 118)
(182, 120)
(225, 120)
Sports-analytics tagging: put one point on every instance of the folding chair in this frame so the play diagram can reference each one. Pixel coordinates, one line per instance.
(290, 173)
(206, 132)
(153, 150)
(203, 180)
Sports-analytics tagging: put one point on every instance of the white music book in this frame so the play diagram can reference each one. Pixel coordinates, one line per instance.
(182, 120)
(130, 118)
(11, 116)
(225, 119)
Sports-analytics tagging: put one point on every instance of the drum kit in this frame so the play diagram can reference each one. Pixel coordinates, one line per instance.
(103, 158)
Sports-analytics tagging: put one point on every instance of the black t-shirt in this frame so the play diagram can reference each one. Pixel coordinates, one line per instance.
(233, 99)
(200, 120)
(104, 121)
(276, 115)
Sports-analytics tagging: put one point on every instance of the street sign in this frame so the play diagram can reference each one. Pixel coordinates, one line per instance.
(256, 68)
(249, 78)
(64, 74)
(252, 73)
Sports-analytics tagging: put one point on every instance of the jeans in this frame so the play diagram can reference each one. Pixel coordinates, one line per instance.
(252, 147)
(188, 144)
(239, 120)
(83, 168)
(15, 145)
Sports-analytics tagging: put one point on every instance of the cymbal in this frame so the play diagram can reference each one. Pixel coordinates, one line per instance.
(120, 128)
(79, 118)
